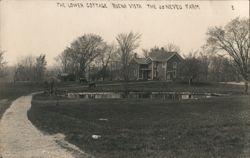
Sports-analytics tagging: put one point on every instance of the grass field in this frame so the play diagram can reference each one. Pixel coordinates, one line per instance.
(215, 127)
(10, 91)
(161, 86)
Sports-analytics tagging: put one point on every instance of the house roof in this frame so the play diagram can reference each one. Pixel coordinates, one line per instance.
(141, 60)
(161, 55)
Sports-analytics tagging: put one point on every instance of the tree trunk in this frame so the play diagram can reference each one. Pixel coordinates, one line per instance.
(125, 73)
(104, 73)
(246, 87)
(190, 81)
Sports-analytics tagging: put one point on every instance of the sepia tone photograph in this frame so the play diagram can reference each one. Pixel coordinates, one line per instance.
(124, 79)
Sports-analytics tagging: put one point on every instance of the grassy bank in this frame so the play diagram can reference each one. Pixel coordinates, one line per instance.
(215, 127)
(10, 91)
(161, 86)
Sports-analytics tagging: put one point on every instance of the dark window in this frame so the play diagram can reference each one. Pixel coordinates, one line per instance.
(175, 65)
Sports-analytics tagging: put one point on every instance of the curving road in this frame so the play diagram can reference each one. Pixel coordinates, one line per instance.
(20, 139)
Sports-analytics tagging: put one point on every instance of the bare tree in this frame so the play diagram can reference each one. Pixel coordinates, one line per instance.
(128, 42)
(2, 64)
(234, 40)
(40, 67)
(222, 69)
(191, 67)
(155, 50)
(204, 58)
(170, 47)
(25, 69)
(85, 49)
(31, 68)
(145, 52)
(105, 58)
(64, 60)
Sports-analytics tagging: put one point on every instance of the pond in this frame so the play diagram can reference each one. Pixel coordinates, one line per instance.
(142, 95)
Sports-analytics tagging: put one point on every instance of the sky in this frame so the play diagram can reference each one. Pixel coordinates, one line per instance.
(31, 27)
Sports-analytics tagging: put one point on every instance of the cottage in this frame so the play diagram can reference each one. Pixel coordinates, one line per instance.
(160, 65)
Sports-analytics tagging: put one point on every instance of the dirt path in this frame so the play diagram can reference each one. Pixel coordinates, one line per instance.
(20, 139)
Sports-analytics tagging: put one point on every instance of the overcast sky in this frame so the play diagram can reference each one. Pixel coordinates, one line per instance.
(33, 27)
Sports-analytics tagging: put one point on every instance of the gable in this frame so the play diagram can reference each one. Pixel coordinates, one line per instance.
(141, 61)
(175, 58)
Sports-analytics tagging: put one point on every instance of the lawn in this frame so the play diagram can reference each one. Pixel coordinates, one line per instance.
(138, 128)
(10, 91)
(160, 86)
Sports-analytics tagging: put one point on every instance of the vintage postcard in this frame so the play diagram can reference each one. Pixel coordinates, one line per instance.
(124, 78)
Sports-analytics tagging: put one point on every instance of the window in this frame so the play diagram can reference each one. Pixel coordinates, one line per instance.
(175, 65)
(140, 74)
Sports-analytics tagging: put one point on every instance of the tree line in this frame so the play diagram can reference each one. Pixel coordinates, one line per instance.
(31, 68)
(2, 64)
(224, 57)
(91, 51)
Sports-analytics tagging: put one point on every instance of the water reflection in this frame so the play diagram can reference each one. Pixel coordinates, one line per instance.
(140, 95)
